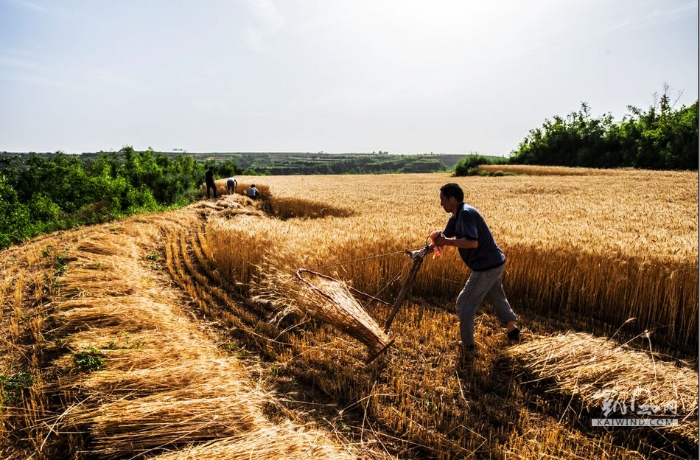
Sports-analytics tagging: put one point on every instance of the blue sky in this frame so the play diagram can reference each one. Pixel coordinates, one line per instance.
(401, 76)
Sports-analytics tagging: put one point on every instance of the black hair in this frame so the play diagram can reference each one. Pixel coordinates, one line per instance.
(452, 190)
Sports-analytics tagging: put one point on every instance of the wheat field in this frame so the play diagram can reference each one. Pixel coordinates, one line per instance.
(613, 252)
(612, 246)
(185, 335)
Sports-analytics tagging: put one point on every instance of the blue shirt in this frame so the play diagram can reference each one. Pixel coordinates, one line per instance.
(469, 224)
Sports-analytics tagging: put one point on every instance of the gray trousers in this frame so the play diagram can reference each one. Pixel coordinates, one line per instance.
(480, 285)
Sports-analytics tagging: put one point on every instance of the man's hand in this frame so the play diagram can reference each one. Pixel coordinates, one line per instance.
(435, 237)
(440, 241)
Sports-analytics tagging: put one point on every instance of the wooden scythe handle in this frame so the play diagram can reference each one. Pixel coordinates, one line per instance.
(417, 257)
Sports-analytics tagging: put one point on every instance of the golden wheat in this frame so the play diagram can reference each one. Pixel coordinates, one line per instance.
(594, 369)
(610, 245)
(606, 246)
(165, 383)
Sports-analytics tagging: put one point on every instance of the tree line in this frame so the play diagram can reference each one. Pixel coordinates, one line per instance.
(281, 163)
(41, 193)
(659, 138)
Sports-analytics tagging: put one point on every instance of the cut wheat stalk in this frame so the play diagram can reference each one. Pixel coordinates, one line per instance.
(332, 301)
(597, 369)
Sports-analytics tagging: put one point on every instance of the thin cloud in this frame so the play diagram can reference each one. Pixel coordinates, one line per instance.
(254, 39)
(26, 5)
(689, 9)
(38, 81)
(267, 13)
(269, 20)
(24, 67)
(15, 63)
(657, 16)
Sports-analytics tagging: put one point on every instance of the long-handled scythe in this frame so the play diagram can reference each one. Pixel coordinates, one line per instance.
(417, 256)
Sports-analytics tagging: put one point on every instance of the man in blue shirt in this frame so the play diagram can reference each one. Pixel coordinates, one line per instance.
(467, 231)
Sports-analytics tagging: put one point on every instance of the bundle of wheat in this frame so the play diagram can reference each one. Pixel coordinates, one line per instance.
(125, 312)
(200, 412)
(331, 301)
(607, 375)
(103, 245)
(285, 440)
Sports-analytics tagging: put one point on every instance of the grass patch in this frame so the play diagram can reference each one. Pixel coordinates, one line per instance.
(90, 359)
(11, 387)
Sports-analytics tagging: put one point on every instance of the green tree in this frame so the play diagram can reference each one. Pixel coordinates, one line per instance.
(228, 168)
(40, 193)
(15, 223)
(469, 165)
(659, 138)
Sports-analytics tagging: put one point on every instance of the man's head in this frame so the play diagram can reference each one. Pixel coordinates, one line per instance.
(451, 195)
(452, 190)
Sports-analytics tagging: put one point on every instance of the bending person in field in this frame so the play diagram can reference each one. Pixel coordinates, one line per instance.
(252, 192)
(231, 184)
(467, 231)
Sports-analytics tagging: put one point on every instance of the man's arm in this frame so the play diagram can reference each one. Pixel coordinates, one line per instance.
(462, 243)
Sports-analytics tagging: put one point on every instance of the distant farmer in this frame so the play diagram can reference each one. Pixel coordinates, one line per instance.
(253, 192)
(467, 231)
(209, 179)
(231, 184)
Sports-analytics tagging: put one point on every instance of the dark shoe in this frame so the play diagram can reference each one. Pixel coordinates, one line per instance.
(514, 334)
(467, 353)
(465, 349)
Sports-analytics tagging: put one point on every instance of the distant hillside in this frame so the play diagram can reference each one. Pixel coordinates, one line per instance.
(304, 163)
(295, 163)
(281, 163)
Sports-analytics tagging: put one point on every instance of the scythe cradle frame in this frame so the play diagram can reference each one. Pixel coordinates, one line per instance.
(417, 256)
